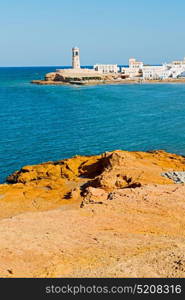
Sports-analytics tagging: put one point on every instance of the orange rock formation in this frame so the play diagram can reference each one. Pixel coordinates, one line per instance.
(113, 214)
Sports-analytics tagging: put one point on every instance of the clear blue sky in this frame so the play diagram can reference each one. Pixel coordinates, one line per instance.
(42, 32)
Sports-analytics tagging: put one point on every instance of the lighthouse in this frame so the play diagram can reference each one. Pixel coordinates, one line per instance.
(76, 58)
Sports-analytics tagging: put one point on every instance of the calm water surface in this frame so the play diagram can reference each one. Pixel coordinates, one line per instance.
(41, 123)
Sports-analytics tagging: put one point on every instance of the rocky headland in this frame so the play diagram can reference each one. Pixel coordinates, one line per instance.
(119, 214)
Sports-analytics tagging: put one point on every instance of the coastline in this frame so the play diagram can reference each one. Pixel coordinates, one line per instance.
(110, 82)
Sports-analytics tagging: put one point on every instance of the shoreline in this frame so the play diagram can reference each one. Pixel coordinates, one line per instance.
(109, 82)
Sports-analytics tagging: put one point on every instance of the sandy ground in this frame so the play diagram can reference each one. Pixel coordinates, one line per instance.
(136, 233)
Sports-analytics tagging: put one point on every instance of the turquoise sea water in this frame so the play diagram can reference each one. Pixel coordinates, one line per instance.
(41, 123)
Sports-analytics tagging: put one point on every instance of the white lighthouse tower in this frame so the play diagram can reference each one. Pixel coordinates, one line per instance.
(76, 58)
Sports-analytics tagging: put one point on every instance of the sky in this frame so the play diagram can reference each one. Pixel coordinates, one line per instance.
(42, 32)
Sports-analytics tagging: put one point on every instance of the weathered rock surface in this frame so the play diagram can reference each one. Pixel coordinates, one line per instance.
(71, 75)
(51, 76)
(110, 215)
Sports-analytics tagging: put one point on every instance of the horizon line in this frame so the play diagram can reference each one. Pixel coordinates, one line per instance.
(66, 66)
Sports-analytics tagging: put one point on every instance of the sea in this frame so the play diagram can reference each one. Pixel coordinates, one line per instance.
(48, 123)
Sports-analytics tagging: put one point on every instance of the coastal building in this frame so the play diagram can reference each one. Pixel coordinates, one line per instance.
(179, 62)
(177, 68)
(102, 73)
(131, 72)
(134, 69)
(133, 63)
(105, 69)
(76, 58)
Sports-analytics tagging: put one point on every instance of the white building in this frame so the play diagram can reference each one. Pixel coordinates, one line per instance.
(131, 72)
(105, 69)
(133, 63)
(156, 72)
(76, 58)
(171, 70)
(177, 68)
(134, 69)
